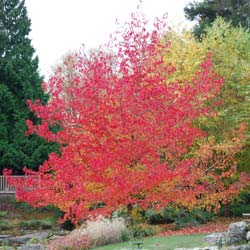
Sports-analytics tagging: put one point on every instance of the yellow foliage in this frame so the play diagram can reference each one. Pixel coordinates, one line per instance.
(136, 215)
(93, 187)
(230, 49)
(185, 54)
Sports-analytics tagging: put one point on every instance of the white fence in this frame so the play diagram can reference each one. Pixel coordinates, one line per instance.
(23, 181)
(4, 187)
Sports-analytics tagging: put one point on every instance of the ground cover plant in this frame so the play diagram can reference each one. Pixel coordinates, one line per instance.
(128, 136)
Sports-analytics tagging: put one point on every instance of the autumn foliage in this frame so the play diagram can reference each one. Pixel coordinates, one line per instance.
(126, 134)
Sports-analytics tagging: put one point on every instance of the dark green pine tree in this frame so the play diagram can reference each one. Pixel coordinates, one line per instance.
(19, 81)
(206, 11)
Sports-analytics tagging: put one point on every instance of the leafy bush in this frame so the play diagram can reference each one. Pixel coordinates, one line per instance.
(67, 225)
(154, 218)
(143, 230)
(125, 235)
(4, 225)
(238, 207)
(183, 217)
(28, 208)
(70, 242)
(124, 214)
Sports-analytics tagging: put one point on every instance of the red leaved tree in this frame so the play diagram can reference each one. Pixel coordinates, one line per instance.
(124, 134)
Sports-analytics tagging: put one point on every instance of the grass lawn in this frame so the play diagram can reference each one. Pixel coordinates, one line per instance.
(161, 243)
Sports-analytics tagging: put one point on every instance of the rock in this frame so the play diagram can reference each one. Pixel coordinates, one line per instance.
(210, 248)
(199, 248)
(25, 238)
(240, 247)
(248, 236)
(213, 239)
(33, 247)
(236, 232)
(3, 236)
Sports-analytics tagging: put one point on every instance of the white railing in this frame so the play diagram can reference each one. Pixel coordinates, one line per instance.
(6, 188)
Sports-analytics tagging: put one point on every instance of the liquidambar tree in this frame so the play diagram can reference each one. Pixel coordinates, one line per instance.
(125, 133)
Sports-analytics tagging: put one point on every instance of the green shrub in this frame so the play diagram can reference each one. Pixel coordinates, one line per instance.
(125, 235)
(238, 207)
(4, 225)
(23, 206)
(183, 217)
(143, 230)
(155, 218)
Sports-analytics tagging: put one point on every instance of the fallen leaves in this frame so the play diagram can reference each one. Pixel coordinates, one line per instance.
(218, 225)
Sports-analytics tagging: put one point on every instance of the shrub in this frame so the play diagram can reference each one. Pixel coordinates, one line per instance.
(183, 217)
(4, 225)
(94, 233)
(24, 206)
(102, 231)
(144, 230)
(153, 217)
(238, 207)
(71, 242)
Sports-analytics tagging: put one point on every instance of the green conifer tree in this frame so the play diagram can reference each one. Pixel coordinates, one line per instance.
(19, 81)
(206, 11)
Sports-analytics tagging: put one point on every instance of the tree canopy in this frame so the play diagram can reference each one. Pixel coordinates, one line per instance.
(206, 11)
(230, 56)
(19, 81)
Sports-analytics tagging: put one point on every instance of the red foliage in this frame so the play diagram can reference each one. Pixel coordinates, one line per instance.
(211, 228)
(124, 133)
(219, 225)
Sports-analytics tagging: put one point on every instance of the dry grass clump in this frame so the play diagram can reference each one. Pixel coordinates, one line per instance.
(103, 231)
(93, 233)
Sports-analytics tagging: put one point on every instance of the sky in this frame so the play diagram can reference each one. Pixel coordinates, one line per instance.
(60, 26)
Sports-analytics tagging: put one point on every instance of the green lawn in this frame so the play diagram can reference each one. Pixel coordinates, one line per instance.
(161, 243)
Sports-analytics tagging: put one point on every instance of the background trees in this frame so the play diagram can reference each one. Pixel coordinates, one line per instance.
(19, 81)
(206, 11)
(230, 55)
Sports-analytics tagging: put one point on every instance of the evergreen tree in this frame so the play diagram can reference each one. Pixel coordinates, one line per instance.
(19, 81)
(206, 11)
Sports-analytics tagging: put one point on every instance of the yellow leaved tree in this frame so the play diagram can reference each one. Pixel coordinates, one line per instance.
(230, 50)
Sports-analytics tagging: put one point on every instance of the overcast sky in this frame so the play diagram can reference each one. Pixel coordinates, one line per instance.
(59, 26)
